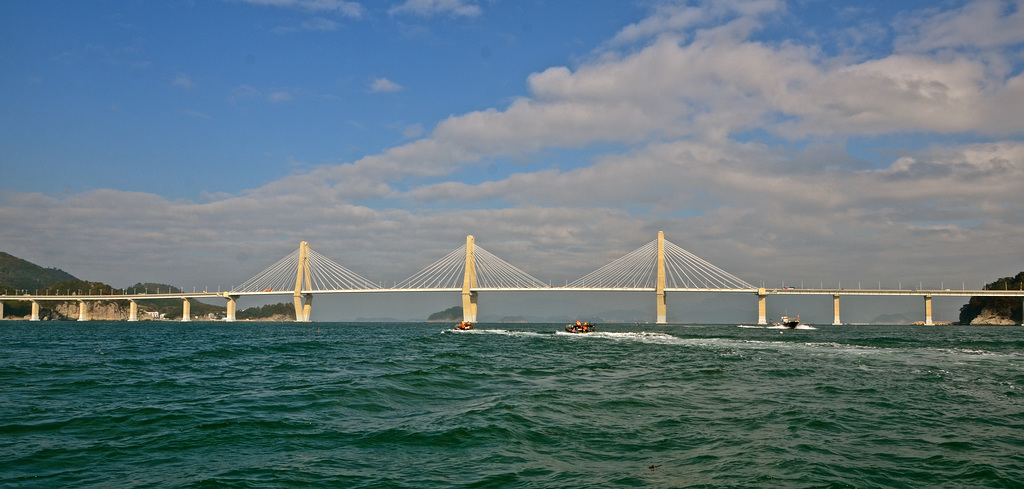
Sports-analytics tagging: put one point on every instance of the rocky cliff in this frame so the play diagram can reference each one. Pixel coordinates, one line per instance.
(996, 310)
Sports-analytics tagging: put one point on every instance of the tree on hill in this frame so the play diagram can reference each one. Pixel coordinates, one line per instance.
(270, 310)
(18, 277)
(17, 274)
(172, 308)
(1005, 307)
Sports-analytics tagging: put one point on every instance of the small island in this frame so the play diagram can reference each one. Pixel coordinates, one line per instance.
(995, 310)
(447, 315)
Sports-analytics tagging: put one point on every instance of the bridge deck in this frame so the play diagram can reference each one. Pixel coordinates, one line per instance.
(772, 291)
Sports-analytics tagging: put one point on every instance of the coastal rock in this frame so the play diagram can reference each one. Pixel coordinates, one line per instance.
(98, 311)
(989, 317)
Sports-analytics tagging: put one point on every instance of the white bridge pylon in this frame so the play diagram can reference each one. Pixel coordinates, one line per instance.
(641, 269)
(658, 266)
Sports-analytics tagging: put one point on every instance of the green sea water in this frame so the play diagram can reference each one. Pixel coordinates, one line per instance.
(208, 405)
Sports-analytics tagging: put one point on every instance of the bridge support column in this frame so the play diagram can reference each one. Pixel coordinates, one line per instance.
(1, 310)
(469, 301)
(232, 307)
(469, 296)
(186, 311)
(762, 296)
(83, 311)
(35, 311)
(133, 310)
(662, 302)
(835, 310)
(928, 310)
(303, 308)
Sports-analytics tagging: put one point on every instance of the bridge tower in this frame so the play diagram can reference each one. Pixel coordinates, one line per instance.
(469, 296)
(660, 288)
(762, 310)
(303, 302)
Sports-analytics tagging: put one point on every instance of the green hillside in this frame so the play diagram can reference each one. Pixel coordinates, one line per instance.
(18, 274)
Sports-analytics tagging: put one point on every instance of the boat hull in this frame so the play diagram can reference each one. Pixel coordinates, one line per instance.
(580, 328)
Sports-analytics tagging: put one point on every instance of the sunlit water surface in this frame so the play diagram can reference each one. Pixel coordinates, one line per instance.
(146, 404)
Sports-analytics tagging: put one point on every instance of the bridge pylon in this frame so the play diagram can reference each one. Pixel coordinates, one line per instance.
(303, 302)
(662, 309)
(469, 296)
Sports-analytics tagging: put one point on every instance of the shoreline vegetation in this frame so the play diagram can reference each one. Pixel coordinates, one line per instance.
(17, 274)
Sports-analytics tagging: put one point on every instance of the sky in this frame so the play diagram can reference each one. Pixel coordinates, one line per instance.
(801, 142)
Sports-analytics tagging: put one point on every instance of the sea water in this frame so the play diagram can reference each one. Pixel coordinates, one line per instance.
(161, 405)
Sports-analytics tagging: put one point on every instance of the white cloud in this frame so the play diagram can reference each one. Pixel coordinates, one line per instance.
(679, 18)
(279, 97)
(196, 113)
(384, 85)
(428, 8)
(412, 131)
(247, 92)
(980, 24)
(182, 80)
(313, 24)
(677, 112)
(342, 7)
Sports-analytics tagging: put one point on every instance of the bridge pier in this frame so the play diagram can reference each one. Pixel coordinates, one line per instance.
(83, 311)
(35, 311)
(762, 296)
(232, 307)
(928, 310)
(469, 304)
(835, 310)
(186, 310)
(133, 310)
(303, 307)
(1, 310)
(469, 296)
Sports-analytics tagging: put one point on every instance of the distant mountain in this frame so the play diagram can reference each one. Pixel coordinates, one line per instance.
(19, 274)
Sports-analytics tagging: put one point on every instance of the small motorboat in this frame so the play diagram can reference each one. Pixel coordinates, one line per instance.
(579, 327)
(465, 325)
(790, 322)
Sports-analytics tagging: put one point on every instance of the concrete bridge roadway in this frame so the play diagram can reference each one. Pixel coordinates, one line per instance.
(761, 294)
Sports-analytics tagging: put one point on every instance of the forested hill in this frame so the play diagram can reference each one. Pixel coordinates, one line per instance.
(995, 310)
(16, 273)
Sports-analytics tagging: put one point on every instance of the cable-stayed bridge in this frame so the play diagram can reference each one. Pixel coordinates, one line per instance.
(659, 267)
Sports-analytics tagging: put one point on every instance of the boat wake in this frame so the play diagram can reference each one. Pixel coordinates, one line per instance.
(640, 336)
(776, 326)
(505, 332)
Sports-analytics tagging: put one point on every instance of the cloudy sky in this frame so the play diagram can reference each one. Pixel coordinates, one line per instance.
(804, 141)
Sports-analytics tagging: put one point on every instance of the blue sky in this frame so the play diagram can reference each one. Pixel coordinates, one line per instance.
(197, 142)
